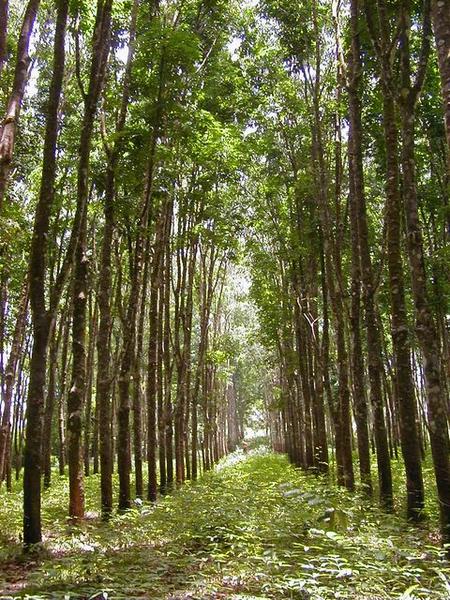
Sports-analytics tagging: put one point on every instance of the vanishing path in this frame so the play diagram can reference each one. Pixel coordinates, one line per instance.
(254, 528)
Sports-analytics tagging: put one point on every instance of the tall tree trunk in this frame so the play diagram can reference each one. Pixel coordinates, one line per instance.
(374, 349)
(154, 316)
(62, 399)
(129, 331)
(355, 174)
(399, 320)
(160, 384)
(316, 374)
(8, 127)
(49, 405)
(3, 34)
(40, 317)
(104, 356)
(427, 332)
(100, 51)
(168, 417)
(137, 383)
(10, 376)
(440, 12)
(192, 261)
(334, 280)
(164, 360)
(357, 360)
(93, 330)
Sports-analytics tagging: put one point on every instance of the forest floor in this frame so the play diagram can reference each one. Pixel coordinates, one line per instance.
(254, 528)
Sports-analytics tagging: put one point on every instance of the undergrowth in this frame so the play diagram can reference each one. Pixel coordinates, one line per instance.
(254, 528)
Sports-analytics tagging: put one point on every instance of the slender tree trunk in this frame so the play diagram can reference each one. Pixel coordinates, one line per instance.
(427, 332)
(374, 349)
(440, 12)
(129, 331)
(399, 320)
(8, 128)
(3, 34)
(155, 287)
(49, 406)
(316, 374)
(38, 265)
(104, 355)
(334, 283)
(78, 385)
(137, 391)
(357, 361)
(62, 399)
(164, 365)
(10, 376)
(93, 330)
(161, 382)
(361, 413)
(168, 418)
(192, 261)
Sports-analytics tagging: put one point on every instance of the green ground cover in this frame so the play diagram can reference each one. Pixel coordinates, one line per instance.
(254, 528)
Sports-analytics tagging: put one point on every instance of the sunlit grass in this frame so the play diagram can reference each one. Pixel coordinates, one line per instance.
(257, 528)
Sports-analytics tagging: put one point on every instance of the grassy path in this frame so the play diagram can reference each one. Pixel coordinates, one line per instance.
(254, 528)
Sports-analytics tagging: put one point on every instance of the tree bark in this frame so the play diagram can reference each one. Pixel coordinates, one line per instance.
(374, 349)
(93, 332)
(399, 320)
(356, 201)
(10, 376)
(3, 34)
(426, 329)
(440, 12)
(41, 318)
(49, 406)
(8, 128)
(100, 51)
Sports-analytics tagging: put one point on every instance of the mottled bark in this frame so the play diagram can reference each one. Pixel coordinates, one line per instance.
(62, 400)
(8, 127)
(399, 321)
(440, 11)
(374, 349)
(168, 417)
(88, 418)
(426, 328)
(10, 377)
(317, 386)
(334, 278)
(151, 391)
(160, 384)
(130, 324)
(357, 203)
(3, 33)
(49, 407)
(104, 355)
(100, 51)
(137, 382)
(41, 318)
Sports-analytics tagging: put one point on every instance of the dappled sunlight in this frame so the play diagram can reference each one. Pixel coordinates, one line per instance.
(224, 299)
(256, 526)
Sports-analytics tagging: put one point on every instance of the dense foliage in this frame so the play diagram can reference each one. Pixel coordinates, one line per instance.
(217, 218)
(254, 528)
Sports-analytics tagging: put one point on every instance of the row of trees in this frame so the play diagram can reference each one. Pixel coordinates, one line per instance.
(125, 353)
(173, 133)
(350, 245)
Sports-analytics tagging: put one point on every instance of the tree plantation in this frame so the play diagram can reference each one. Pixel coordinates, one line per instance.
(225, 299)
